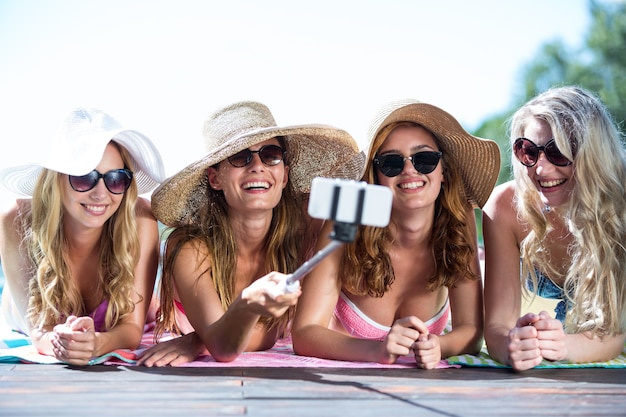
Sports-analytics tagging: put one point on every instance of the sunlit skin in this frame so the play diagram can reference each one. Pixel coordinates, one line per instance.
(408, 303)
(554, 183)
(524, 342)
(251, 193)
(85, 213)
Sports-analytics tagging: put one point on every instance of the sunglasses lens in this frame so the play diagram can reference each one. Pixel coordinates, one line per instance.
(118, 181)
(241, 159)
(271, 154)
(426, 162)
(526, 152)
(84, 182)
(390, 165)
(554, 155)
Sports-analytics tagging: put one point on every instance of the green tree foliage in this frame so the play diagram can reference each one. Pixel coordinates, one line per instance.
(599, 66)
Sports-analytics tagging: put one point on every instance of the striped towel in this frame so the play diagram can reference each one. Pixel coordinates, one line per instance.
(484, 360)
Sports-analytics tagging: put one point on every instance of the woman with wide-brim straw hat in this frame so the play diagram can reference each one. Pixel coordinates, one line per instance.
(81, 256)
(393, 290)
(238, 214)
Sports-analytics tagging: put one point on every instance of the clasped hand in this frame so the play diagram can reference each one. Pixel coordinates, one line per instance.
(534, 338)
(410, 334)
(74, 341)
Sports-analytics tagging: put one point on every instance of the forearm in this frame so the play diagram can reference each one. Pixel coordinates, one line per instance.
(497, 341)
(462, 339)
(583, 348)
(229, 336)
(321, 342)
(122, 336)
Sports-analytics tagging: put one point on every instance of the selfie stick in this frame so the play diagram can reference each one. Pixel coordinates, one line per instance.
(342, 233)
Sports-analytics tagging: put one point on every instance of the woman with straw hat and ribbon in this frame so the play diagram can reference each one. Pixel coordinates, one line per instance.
(390, 293)
(239, 225)
(81, 256)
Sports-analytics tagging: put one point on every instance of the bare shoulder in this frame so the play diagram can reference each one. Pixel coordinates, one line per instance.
(500, 201)
(143, 208)
(9, 214)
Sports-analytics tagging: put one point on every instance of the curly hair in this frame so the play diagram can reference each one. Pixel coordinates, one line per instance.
(213, 237)
(366, 266)
(53, 293)
(595, 283)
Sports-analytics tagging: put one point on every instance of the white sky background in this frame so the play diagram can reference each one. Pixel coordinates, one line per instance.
(162, 66)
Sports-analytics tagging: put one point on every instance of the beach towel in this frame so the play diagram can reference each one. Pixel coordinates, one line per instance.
(16, 348)
(484, 360)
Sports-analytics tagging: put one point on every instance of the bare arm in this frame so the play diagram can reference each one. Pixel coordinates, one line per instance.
(466, 305)
(310, 332)
(502, 272)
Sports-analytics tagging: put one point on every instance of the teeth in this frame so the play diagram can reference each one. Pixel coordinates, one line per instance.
(411, 185)
(258, 184)
(553, 183)
(96, 209)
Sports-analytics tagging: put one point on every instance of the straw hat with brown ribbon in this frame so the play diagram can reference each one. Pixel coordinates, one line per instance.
(478, 159)
(312, 151)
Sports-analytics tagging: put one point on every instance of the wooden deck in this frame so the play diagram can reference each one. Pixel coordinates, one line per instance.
(58, 390)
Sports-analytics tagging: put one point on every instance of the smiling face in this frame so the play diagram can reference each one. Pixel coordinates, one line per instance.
(411, 189)
(554, 183)
(91, 209)
(254, 187)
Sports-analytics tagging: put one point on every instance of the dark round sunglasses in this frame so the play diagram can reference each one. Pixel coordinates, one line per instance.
(392, 164)
(270, 155)
(117, 181)
(527, 152)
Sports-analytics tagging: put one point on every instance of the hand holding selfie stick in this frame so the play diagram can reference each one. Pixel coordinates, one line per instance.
(351, 204)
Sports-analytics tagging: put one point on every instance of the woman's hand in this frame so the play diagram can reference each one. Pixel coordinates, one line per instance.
(74, 342)
(401, 338)
(266, 297)
(427, 351)
(173, 352)
(524, 351)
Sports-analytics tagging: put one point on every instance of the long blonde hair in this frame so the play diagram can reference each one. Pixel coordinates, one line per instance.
(366, 266)
(595, 283)
(53, 293)
(213, 236)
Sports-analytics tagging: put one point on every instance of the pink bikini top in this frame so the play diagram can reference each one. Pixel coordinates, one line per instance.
(357, 324)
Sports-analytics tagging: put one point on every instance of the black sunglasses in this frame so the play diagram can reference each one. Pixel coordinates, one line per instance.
(270, 155)
(117, 181)
(527, 152)
(392, 164)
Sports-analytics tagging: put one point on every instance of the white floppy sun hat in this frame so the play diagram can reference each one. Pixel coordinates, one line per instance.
(78, 147)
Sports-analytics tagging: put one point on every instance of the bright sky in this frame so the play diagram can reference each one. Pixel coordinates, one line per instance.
(162, 66)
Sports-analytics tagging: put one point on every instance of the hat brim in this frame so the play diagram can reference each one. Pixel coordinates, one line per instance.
(147, 164)
(478, 159)
(313, 150)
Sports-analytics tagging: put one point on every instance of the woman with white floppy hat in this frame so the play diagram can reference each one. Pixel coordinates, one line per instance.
(392, 291)
(238, 215)
(81, 255)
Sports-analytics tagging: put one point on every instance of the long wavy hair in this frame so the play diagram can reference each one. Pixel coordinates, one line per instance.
(366, 267)
(53, 292)
(595, 282)
(213, 237)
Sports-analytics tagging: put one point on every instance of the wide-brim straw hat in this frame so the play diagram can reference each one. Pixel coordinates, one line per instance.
(312, 150)
(78, 147)
(478, 159)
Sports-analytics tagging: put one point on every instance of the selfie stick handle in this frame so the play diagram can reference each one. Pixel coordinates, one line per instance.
(342, 233)
(306, 267)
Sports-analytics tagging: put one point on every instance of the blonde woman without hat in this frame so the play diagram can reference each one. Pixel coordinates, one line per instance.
(564, 215)
(80, 257)
(390, 293)
(238, 215)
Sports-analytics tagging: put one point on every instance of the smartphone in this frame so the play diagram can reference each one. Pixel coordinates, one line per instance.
(349, 201)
